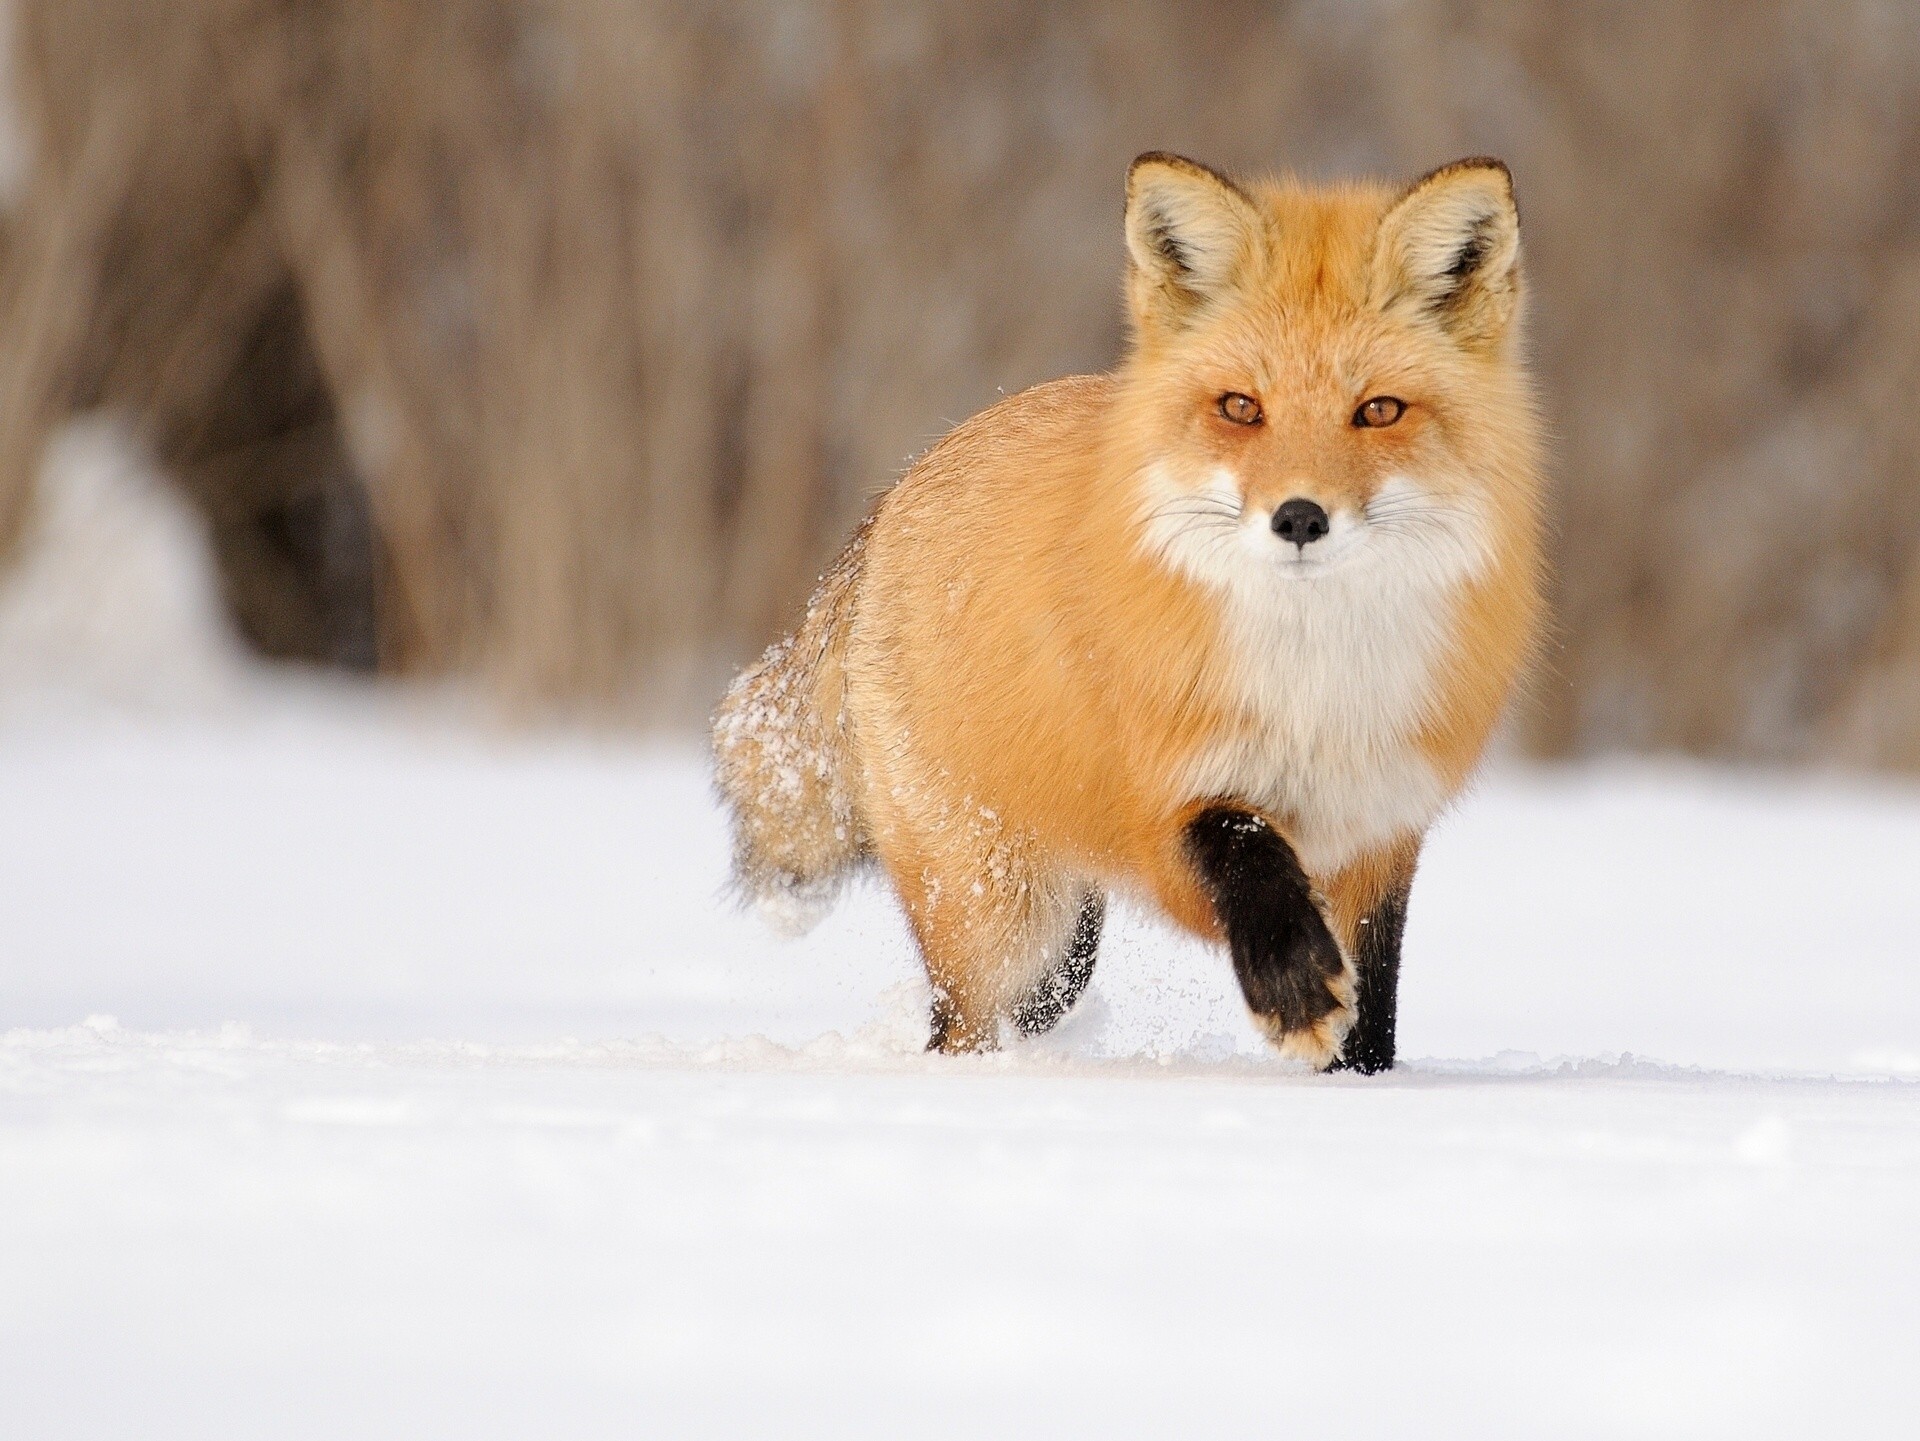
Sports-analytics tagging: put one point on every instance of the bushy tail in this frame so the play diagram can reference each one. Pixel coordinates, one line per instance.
(784, 762)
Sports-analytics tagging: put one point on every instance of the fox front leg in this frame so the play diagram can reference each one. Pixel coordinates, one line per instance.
(1298, 984)
(1367, 905)
(1369, 1046)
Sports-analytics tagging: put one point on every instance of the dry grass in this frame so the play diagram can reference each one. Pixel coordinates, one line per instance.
(602, 319)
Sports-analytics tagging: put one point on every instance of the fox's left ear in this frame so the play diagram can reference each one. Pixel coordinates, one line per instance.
(1449, 249)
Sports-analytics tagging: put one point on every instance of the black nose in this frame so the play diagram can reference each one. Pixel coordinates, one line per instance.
(1300, 521)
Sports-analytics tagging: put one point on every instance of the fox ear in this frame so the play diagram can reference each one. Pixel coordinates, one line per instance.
(1449, 249)
(1190, 231)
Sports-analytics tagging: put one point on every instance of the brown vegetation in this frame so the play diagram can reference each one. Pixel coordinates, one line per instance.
(578, 332)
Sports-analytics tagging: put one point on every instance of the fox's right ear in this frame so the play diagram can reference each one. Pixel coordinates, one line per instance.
(1190, 231)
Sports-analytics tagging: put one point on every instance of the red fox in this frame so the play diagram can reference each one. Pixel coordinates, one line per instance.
(1222, 630)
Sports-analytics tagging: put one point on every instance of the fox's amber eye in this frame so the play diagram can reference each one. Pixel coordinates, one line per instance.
(1240, 409)
(1381, 410)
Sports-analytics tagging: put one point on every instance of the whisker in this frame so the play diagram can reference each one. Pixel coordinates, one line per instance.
(1382, 509)
(1202, 512)
(1196, 505)
(1211, 526)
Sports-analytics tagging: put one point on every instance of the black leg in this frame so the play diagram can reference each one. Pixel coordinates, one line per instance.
(1369, 1045)
(1285, 956)
(940, 1023)
(1056, 992)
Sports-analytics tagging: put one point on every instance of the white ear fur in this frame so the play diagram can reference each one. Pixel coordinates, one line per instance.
(1189, 228)
(1450, 249)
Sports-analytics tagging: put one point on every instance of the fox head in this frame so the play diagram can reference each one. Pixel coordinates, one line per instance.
(1325, 379)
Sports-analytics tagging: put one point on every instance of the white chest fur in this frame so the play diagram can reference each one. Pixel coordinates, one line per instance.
(1333, 659)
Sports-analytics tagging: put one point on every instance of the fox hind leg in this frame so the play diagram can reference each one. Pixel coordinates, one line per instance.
(1043, 1007)
(1018, 949)
(1296, 980)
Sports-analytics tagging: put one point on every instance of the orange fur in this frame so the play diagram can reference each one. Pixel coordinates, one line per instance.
(1058, 634)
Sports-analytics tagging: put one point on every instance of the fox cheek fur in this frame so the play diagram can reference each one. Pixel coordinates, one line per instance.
(1222, 630)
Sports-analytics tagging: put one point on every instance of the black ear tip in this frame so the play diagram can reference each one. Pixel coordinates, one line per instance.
(1163, 157)
(1168, 160)
(1469, 163)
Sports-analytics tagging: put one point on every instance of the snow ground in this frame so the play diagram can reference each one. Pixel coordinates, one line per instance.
(368, 1070)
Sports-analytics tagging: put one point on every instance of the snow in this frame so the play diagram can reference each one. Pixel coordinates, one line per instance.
(371, 1069)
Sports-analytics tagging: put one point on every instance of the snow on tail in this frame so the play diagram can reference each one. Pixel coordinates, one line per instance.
(783, 760)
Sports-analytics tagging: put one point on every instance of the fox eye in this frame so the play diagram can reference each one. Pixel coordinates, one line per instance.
(1381, 410)
(1240, 409)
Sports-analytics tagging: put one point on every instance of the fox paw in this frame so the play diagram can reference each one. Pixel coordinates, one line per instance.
(1316, 1031)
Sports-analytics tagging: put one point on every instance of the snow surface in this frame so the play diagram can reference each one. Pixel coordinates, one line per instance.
(374, 1070)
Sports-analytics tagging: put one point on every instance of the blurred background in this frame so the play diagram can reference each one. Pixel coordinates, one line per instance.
(412, 410)
(557, 345)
